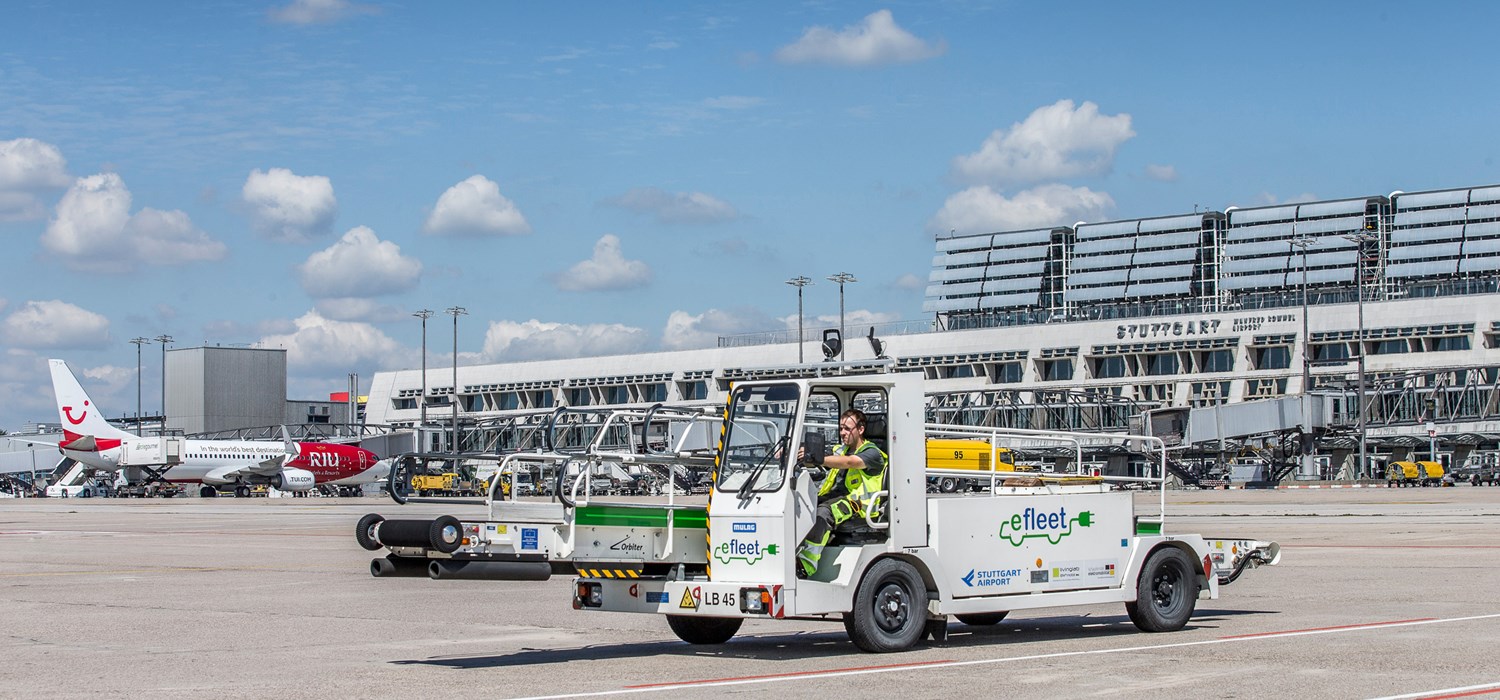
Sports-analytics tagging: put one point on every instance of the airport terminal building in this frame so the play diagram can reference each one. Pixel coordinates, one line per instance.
(1087, 327)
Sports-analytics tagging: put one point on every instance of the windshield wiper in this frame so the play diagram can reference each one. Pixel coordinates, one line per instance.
(780, 446)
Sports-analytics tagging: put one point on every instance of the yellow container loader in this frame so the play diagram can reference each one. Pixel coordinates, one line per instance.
(1414, 474)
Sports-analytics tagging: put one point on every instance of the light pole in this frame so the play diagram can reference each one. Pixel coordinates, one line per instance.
(1360, 239)
(799, 282)
(842, 278)
(1302, 243)
(163, 339)
(456, 311)
(139, 424)
(424, 314)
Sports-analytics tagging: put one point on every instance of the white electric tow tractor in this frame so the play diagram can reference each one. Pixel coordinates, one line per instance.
(1022, 537)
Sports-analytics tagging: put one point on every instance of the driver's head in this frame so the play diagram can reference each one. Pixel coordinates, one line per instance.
(852, 428)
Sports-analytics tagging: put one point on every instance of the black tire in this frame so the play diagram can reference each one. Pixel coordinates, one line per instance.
(704, 630)
(208, 492)
(982, 619)
(1166, 592)
(890, 608)
(948, 484)
(445, 534)
(364, 532)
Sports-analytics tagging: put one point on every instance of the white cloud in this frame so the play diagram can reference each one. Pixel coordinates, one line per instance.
(54, 324)
(285, 206)
(27, 167)
(535, 340)
(607, 270)
(875, 41)
(856, 321)
(169, 238)
(1266, 199)
(909, 281)
(1055, 142)
(981, 209)
(685, 331)
(355, 309)
(359, 265)
(475, 207)
(93, 230)
(322, 344)
(1161, 173)
(732, 102)
(676, 207)
(305, 12)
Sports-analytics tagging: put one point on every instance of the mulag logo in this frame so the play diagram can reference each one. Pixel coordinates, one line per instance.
(743, 527)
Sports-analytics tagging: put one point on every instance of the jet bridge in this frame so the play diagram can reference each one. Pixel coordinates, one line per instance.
(1307, 414)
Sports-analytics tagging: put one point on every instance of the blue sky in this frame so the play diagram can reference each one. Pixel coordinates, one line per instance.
(614, 177)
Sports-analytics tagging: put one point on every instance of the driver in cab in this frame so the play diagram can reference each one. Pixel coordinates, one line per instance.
(856, 471)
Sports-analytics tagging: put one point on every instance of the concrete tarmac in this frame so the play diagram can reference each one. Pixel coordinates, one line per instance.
(1380, 593)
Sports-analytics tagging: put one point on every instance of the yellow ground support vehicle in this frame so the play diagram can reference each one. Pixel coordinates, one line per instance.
(445, 484)
(1414, 474)
(964, 454)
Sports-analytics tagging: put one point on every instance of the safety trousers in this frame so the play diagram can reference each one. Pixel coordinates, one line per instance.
(830, 515)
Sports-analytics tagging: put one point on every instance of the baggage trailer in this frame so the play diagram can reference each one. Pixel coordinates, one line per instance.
(1025, 541)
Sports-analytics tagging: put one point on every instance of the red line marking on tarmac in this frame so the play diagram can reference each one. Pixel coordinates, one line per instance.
(1366, 625)
(795, 674)
(1082, 654)
(1467, 691)
(1469, 694)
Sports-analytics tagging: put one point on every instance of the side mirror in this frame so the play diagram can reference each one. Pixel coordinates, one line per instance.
(813, 443)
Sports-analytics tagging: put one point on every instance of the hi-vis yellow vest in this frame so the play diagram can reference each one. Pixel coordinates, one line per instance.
(861, 484)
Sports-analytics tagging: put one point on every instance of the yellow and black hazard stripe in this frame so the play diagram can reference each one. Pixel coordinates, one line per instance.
(713, 484)
(609, 573)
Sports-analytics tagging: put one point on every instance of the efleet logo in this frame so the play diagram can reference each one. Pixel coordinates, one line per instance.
(748, 552)
(1053, 527)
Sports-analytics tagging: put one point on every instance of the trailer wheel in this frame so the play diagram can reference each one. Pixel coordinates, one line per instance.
(445, 534)
(890, 608)
(982, 619)
(364, 532)
(948, 484)
(1166, 592)
(704, 630)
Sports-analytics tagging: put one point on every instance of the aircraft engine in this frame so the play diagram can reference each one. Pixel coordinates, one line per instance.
(293, 479)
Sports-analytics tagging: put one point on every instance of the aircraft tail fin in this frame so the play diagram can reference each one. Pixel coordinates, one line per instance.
(75, 410)
(292, 449)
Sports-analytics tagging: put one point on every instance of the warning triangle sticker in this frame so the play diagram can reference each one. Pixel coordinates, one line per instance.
(688, 601)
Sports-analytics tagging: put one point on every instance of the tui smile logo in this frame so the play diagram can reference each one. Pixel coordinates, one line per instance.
(1031, 524)
(68, 413)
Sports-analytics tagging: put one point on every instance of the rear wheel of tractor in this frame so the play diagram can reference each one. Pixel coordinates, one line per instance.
(1166, 592)
(704, 630)
(364, 531)
(982, 619)
(890, 608)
